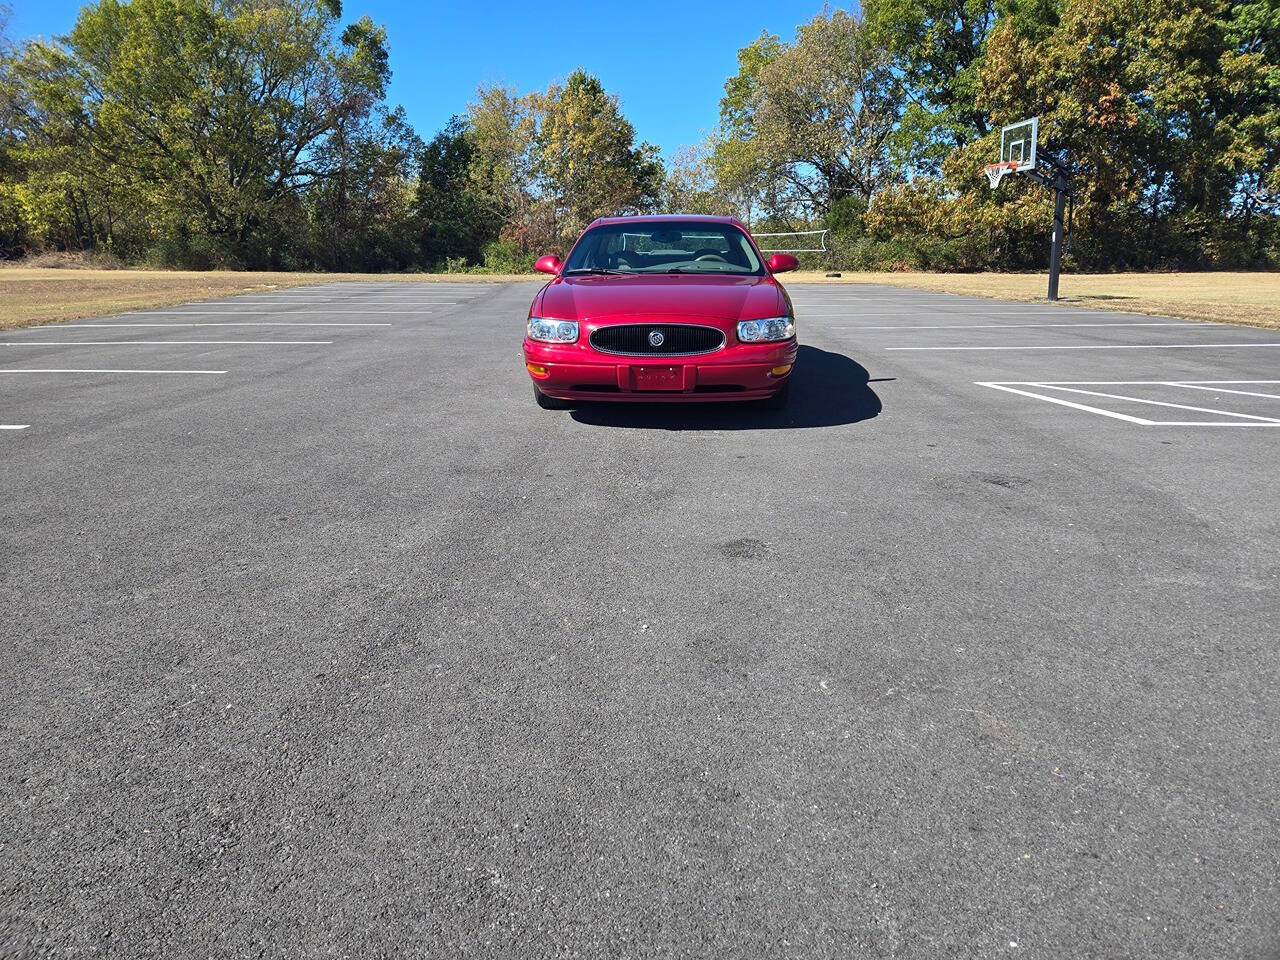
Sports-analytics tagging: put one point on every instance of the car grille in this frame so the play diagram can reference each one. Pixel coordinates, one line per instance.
(678, 339)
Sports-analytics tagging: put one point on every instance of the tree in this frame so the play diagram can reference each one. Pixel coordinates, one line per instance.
(205, 119)
(936, 49)
(455, 221)
(14, 233)
(360, 206)
(587, 159)
(1162, 107)
(502, 126)
(690, 185)
(809, 123)
(744, 171)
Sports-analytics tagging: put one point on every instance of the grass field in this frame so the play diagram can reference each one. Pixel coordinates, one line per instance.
(33, 295)
(1245, 298)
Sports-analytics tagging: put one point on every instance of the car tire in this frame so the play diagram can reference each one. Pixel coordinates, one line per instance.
(548, 403)
(779, 400)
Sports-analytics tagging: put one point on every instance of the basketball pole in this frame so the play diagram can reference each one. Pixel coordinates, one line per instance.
(1060, 190)
(1054, 178)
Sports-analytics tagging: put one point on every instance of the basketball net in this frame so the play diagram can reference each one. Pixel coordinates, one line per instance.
(996, 171)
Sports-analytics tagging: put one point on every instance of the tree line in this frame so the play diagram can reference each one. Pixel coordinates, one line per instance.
(257, 134)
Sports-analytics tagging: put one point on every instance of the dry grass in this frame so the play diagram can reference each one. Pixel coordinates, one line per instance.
(1245, 298)
(32, 295)
(41, 295)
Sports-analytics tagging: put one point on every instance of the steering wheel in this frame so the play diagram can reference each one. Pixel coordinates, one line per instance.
(708, 255)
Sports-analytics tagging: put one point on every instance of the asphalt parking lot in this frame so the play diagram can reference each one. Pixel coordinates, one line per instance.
(321, 639)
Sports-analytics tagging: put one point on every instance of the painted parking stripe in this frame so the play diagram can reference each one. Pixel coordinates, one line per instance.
(1019, 326)
(4, 370)
(1137, 383)
(14, 426)
(1014, 387)
(234, 313)
(1067, 403)
(1240, 393)
(441, 298)
(1157, 403)
(1103, 346)
(166, 343)
(325, 302)
(910, 318)
(231, 323)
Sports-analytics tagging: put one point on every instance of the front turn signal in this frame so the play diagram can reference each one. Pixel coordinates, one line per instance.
(781, 371)
(537, 369)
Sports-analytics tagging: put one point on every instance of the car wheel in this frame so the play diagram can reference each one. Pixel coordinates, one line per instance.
(779, 400)
(548, 403)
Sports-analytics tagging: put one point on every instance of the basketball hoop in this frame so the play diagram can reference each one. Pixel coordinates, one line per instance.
(996, 171)
(1019, 153)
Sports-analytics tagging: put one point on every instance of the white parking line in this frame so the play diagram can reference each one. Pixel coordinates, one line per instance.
(1056, 315)
(357, 295)
(14, 426)
(1250, 420)
(321, 303)
(1066, 403)
(1157, 403)
(1131, 383)
(166, 343)
(234, 313)
(1242, 393)
(1106, 346)
(4, 370)
(944, 305)
(231, 323)
(1019, 326)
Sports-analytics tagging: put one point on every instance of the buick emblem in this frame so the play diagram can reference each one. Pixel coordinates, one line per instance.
(656, 338)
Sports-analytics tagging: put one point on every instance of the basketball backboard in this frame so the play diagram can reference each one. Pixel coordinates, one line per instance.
(1018, 143)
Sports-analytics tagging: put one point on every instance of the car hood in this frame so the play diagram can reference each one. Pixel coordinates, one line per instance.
(718, 298)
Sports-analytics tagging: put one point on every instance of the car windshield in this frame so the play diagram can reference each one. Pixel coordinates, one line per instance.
(664, 247)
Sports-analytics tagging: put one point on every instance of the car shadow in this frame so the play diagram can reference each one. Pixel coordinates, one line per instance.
(827, 390)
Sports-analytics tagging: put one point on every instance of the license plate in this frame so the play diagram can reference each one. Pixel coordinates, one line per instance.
(658, 378)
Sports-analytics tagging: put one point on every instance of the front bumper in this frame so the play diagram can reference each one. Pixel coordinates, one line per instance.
(737, 372)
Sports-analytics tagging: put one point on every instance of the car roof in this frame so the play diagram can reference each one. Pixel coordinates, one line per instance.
(669, 218)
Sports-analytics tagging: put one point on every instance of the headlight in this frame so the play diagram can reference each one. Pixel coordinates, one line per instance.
(761, 331)
(552, 331)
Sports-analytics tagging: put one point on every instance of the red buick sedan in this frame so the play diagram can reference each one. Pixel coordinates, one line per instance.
(672, 308)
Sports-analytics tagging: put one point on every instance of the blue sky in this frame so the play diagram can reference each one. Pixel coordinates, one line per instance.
(667, 61)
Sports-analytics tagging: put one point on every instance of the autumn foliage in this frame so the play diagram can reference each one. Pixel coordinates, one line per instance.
(256, 133)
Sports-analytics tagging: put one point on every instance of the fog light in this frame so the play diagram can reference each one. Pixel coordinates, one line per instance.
(781, 371)
(537, 369)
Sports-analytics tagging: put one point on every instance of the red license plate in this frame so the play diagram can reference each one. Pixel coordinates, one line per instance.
(658, 378)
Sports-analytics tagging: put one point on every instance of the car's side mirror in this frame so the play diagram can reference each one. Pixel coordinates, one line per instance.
(782, 262)
(548, 264)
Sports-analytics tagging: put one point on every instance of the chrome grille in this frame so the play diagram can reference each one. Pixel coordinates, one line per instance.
(677, 340)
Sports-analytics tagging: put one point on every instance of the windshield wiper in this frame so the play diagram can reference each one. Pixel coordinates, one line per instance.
(599, 271)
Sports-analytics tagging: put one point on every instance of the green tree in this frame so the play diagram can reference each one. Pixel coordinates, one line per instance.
(809, 123)
(587, 159)
(501, 129)
(936, 49)
(745, 173)
(361, 208)
(202, 120)
(455, 221)
(14, 232)
(690, 185)
(1164, 111)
